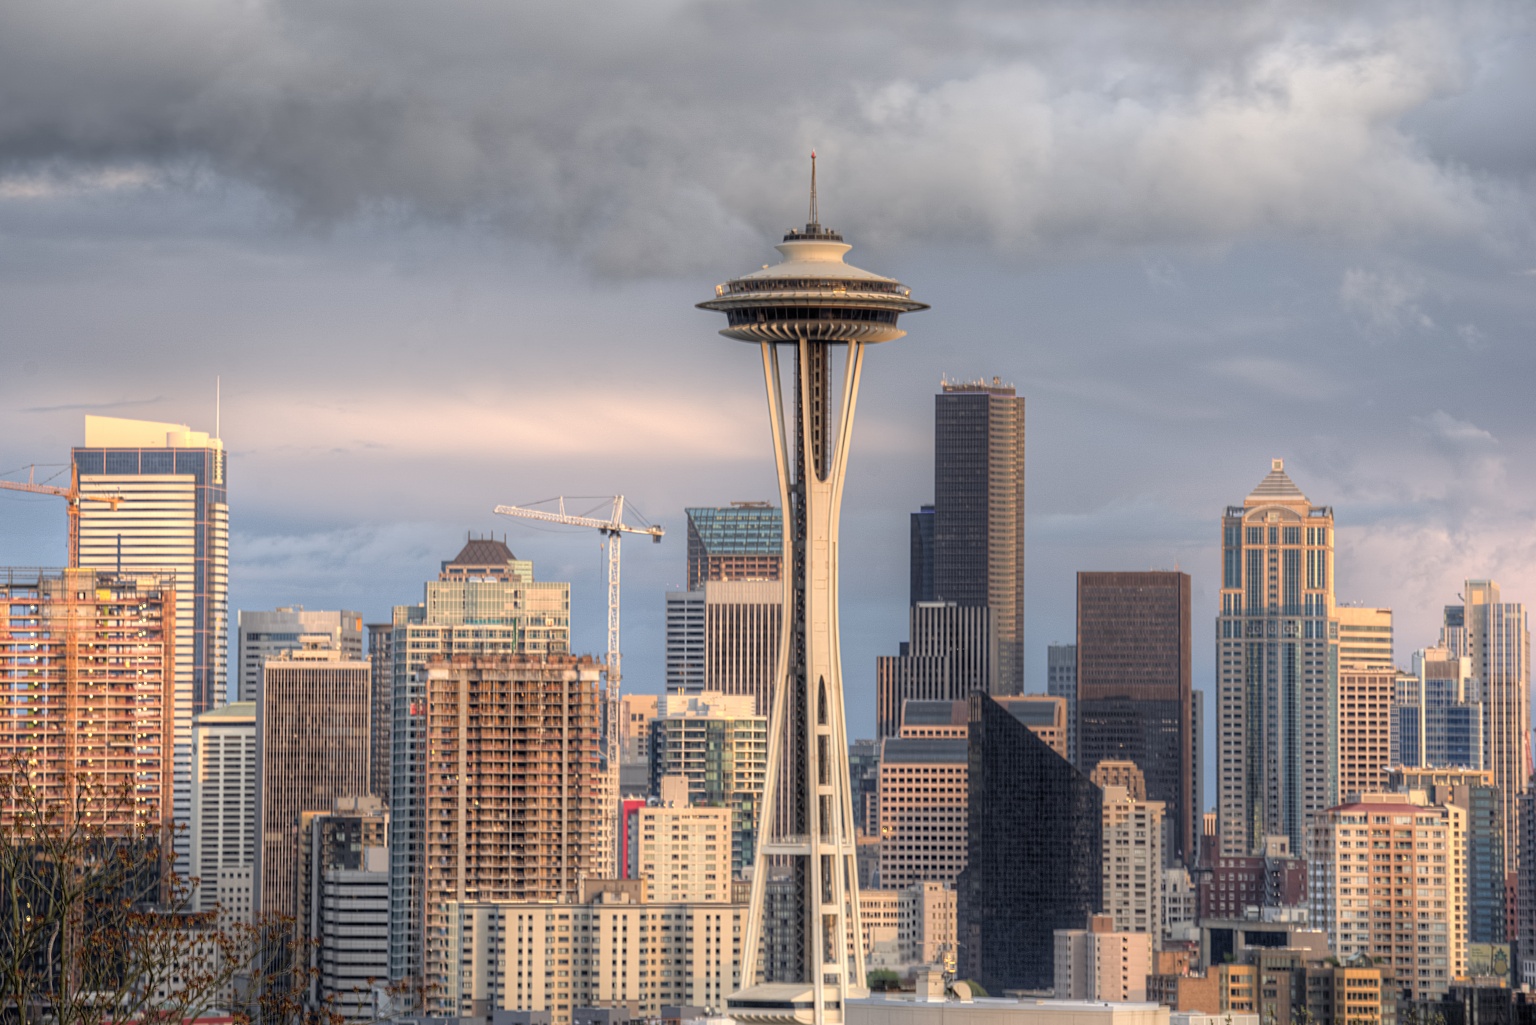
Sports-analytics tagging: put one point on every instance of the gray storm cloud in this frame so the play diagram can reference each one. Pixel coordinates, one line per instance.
(643, 137)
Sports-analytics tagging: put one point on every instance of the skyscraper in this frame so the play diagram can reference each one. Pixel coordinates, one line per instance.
(224, 807)
(1061, 682)
(261, 634)
(485, 601)
(978, 511)
(346, 907)
(88, 659)
(741, 541)
(312, 747)
(825, 312)
(1367, 684)
(1134, 699)
(953, 651)
(1033, 858)
(173, 520)
(724, 639)
(1437, 714)
(1276, 665)
(921, 558)
(1496, 637)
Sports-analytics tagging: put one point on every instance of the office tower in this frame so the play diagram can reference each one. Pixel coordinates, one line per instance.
(921, 558)
(381, 676)
(485, 601)
(260, 635)
(978, 511)
(1061, 682)
(1132, 862)
(864, 778)
(1437, 716)
(724, 638)
(1197, 768)
(741, 541)
(721, 748)
(224, 808)
(1496, 637)
(173, 519)
(953, 651)
(1525, 891)
(685, 642)
(346, 906)
(1482, 904)
(1275, 667)
(89, 658)
(1421, 939)
(1228, 885)
(1034, 834)
(1134, 698)
(513, 782)
(1102, 962)
(1045, 717)
(825, 312)
(635, 714)
(923, 800)
(633, 955)
(681, 853)
(1367, 684)
(312, 747)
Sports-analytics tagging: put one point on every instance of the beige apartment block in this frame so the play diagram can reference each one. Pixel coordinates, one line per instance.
(610, 948)
(1132, 866)
(924, 801)
(1384, 873)
(683, 853)
(513, 784)
(904, 928)
(1367, 689)
(1099, 963)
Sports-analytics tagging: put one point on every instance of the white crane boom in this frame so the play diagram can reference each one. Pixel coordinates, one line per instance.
(613, 528)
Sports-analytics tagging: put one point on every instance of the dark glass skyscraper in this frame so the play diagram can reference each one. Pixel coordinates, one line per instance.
(978, 511)
(1033, 852)
(1134, 701)
(922, 556)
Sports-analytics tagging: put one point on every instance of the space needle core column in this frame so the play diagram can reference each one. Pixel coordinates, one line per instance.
(819, 308)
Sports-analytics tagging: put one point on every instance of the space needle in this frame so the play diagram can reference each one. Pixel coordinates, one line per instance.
(824, 312)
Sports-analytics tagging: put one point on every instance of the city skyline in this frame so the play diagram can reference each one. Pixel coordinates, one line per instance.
(1365, 318)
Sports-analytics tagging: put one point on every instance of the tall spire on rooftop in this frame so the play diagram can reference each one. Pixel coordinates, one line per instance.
(814, 221)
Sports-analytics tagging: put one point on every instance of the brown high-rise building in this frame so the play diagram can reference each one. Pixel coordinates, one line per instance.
(513, 788)
(313, 741)
(90, 664)
(978, 512)
(1134, 700)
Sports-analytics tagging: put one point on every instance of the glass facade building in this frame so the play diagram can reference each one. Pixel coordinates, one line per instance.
(1033, 852)
(741, 541)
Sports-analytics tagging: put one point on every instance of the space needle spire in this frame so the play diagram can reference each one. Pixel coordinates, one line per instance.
(823, 313)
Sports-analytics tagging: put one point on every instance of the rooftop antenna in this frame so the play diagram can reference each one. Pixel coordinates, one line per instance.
(814, 223)
(218, 404)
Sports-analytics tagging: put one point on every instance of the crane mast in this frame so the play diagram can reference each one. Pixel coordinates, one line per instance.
(72, 498)
(613, 528)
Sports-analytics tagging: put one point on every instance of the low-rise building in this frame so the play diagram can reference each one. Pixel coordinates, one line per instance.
(1099, 963)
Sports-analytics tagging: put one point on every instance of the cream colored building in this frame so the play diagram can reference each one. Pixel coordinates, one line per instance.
(1384, 875)
(1099, 963)
(612, 948)
(1132, 867)
(1366, 691)
(904, 1009)
(223, 830)
(903, 928)
(682, 853)
(924, 802)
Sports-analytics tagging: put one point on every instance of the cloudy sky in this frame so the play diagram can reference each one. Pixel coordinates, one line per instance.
(445, 256)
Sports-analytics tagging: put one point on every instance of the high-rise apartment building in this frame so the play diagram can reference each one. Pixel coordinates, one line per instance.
(1398, 911)
(953, 651)
(1061, 682)
(1367, 686)
(312, 747)
(1132, 862)
(1482, 903)
(512, 775)
(1276, 667)
(1496, 637)
(172, 519)
(682, 853)
(89, 663)
(720, 746)
(346, 907)
(741, 541)
(485, 601)
(923, 810)
(1134, 696)
(262, 634)
(224, 808)
(1033, 855)
(381, 676)
(978, 511)
(1437, 715)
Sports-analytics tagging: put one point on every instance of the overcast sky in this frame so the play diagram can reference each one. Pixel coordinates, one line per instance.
(445, 255)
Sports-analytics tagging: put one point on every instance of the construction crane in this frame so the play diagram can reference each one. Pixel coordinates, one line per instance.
(72, 498)
(612, 528)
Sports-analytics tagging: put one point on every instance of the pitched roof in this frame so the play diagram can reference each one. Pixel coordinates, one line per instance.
(1276, 486)
(483, 551)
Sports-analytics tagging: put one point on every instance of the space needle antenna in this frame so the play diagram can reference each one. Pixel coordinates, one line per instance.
(815, 221)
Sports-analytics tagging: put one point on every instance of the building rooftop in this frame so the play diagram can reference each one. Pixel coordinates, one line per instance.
(1276, 487)
(235, 711)
(482, 551)
(742, 528)
(1033, 709)
(924, 712)
(898, 750)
